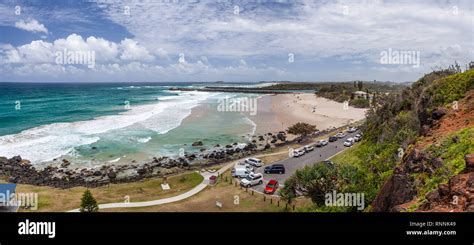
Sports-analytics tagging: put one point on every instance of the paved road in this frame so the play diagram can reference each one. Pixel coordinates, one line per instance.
(292, 164)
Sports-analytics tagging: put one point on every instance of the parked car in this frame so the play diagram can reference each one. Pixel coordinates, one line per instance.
(295, 153)
(275, 169)
(340, 135)
(351, 129)
(251, 180)
(323, 142)
(254, 162)
(357, 137)
(349, 142)
(271, 187)
(332, 138)
(240, 172)
(299, 152)
(308, 148)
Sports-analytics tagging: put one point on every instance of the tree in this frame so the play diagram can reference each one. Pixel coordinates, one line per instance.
(312, 181)
(288, 192)
(302, 129)
(315, 181)
(88, 202)
(360, 85)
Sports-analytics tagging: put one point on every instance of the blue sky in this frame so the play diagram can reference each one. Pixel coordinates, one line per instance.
(254, 40)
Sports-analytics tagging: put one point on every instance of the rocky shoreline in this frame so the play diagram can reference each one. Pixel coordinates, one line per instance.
(21, 171)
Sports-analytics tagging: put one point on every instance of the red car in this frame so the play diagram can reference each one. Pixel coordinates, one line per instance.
(271, 187)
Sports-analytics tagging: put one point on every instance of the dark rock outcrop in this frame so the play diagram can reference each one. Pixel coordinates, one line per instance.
(469, 158)
(65, 163)
(457, 195)
(438, 113)
(398, 189)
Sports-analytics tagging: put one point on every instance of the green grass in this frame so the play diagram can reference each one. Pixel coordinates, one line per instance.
(375, 163)
(348, 156)
(398, 122)
(55, 199)
(453, 158)
(451, 88)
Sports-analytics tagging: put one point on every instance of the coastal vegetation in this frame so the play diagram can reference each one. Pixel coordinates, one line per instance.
(392, 153)
(357, 93)
(302, 129)
(330, 86)
(318, 179)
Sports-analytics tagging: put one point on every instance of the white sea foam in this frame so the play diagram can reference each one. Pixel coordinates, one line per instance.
(115, 160)
(253, 124)
(179, 107)
(142, 140)
(44, 143)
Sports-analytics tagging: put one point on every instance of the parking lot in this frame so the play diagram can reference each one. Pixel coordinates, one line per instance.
(292, 164)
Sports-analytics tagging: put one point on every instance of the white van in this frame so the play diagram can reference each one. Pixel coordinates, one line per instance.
(246, 165)
(240, 172)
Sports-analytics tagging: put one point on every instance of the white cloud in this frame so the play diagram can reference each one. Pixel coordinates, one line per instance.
(123, 61)
(36, 52)
(104, 50)
(31, 26)
(133, 51)
(40, 51)
(137, 71)
(217, 44)
(309, 29)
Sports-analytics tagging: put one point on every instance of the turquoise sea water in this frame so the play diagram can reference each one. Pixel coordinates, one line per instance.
(93, 124)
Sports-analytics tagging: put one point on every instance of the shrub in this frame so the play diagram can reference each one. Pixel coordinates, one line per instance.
(88, 202)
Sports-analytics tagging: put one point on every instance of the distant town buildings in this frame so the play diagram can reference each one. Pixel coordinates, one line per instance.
(361, 95)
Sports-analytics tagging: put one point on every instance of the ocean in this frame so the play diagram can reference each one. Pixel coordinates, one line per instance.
(95, 124)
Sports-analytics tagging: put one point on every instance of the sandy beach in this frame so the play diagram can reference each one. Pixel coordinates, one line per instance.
(278, 112)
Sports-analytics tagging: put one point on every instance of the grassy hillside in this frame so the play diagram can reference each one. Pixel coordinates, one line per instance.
(452, 152)
(395, 123)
